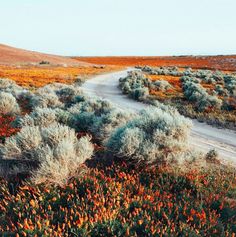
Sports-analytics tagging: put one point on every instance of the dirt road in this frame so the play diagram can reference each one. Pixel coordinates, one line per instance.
(203, 137)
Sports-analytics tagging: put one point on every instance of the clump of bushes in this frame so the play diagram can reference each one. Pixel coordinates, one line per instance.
(55, 147)
(206, 76)
(196, 93)
(97, 117)
(172, 71)
(139, 93)
(8, 104)
(48, 134)
(135, 85)
(161, 85)
(107, 123)
(44, 62)
(230, 84)
(79, 81)
(38, 117)
(212, 156)
(11, 87)
(55, 95)
(155, 136)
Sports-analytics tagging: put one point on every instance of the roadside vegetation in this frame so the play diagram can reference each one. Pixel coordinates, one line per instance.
(208, 96)
(38, 76)
(102, 171)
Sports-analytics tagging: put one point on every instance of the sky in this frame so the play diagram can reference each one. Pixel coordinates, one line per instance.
(120, 27)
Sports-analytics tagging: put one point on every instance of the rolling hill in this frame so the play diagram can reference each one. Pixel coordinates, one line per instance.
(15, 56)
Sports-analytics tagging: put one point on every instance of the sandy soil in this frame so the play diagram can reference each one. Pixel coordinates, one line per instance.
(203, 137)
(15, 56)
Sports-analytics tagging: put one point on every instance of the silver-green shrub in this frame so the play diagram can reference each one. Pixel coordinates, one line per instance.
(10, 86)
(8, 104)
(56, 147)
(103, 126)
(154, 136)
(45, 100)
(196, 93)
(140, 93)
(161, 85)
(62, 161)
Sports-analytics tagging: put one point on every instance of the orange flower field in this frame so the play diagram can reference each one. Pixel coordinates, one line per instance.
(32, 76)
(174, 92)
(204, 62)
(119, 200)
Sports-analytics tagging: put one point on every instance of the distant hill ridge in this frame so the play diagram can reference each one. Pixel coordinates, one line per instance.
(15, 56)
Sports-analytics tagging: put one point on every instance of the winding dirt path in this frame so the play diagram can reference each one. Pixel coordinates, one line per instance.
(203, 137)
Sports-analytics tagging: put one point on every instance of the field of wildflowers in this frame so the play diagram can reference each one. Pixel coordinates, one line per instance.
(38, 76)
(87, 183)
(118, 200)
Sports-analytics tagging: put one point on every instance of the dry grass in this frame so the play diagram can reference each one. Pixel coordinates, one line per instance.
(32, 76)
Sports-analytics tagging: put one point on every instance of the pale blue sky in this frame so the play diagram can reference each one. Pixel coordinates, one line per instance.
(120, 27)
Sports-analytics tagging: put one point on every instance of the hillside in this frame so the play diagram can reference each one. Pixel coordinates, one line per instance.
(14, 56)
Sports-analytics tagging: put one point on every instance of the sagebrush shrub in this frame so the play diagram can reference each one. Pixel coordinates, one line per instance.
(196, 93)
(230, 84)
(55, 133)
(80, 80)
(160, 137)
(42, 117)
(44, 100)
(56, 147)
(212, 156)
(161, 85)
(68, 94)
(10, 86)
(173, 71)
(104, 125)
(135, 84)
(63, 161)
(139, 93)
(23, 144)
(8, 104)
(83, 122)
